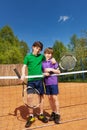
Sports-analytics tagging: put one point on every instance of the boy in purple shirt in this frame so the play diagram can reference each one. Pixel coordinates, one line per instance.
(51, 84)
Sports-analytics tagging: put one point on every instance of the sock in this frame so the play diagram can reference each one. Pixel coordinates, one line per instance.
(41, 113)
(31, 115)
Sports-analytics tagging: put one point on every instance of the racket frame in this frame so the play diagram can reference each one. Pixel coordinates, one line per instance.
(25, 88)
(67, 64)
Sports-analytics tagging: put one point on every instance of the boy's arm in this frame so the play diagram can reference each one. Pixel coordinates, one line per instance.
(23, 72)
(56, 71)
(49, 70)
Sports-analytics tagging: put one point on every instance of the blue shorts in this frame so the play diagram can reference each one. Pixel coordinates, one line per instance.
(37, 84)
(52, 89)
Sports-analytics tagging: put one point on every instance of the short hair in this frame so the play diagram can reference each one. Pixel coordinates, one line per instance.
(38, 44)
(48, 50)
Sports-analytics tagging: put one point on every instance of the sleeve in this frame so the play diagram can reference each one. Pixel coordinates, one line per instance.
(43, 66)
(43, 59)
(56, 66)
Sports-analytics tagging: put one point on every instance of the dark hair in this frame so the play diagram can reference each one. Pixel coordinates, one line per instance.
(48, 50)
(38, 44)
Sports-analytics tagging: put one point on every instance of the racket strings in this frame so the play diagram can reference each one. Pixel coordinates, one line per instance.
(31, 97)
(33, 100)
(68, 62)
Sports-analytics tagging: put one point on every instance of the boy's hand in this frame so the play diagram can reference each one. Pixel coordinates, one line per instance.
(22, 78)
(46, 74)
(48, 70)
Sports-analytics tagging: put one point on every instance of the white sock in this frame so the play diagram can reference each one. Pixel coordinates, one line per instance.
(31, 115)
(41, 113)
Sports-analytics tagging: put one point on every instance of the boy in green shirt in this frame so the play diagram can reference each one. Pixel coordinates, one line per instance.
(34, 63)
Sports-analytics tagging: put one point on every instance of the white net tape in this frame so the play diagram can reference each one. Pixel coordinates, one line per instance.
(35, 76)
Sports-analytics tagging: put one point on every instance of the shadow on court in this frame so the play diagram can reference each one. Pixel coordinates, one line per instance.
(22, 112)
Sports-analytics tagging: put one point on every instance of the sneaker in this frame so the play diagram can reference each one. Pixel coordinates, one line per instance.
(43, 118)
(52, 117)
(57, 119)
(29, 121)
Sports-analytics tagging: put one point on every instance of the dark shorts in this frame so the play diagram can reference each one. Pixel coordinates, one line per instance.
(52, 89)
(38, 84)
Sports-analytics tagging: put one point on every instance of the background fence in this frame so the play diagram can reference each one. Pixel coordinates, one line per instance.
(8, 70)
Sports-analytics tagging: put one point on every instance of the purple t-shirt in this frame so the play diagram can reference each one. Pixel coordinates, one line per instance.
(50, 80)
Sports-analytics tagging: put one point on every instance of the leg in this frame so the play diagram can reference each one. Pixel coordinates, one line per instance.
(51, 101)
(31, 117)
(41, 104)
(56, 104)
(42, 117)
(52, 91)
(55, 107)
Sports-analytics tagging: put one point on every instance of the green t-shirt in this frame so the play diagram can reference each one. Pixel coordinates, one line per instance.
(34, 64)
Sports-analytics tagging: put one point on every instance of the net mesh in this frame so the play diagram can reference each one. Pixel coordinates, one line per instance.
(72, 99)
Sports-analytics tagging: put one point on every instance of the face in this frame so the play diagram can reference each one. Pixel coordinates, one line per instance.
(48, 56)
(36, 50)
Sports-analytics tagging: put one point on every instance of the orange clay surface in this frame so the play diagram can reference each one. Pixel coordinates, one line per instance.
(73, 109)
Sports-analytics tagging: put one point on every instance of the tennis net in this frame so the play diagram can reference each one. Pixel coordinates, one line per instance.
(72, 99)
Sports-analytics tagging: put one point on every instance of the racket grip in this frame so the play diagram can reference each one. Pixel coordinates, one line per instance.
(17, 73)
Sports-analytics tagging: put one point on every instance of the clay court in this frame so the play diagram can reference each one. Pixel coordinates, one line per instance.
(73, 108)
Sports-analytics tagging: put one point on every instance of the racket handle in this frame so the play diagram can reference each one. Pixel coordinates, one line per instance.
(19, 76)
(17, 73)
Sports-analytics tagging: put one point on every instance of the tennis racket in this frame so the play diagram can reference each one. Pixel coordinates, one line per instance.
(67, 62)
(31, 96)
